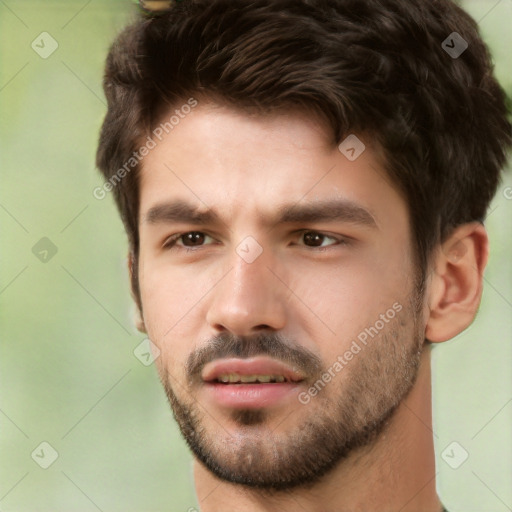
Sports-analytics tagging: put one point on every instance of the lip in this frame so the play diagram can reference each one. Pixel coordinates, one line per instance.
(249, 395)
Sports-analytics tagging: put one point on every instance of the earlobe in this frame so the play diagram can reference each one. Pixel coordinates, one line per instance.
(139, 323)
(455, 290)
(138, 318)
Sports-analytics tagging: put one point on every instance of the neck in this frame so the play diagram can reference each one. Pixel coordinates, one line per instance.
(397, 472)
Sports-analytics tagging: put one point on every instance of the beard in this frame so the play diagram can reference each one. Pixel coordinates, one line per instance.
(351, 411)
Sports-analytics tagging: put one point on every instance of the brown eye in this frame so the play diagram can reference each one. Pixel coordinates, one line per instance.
(316, 239)
(187, 240)
(192, 239)
(313, 239)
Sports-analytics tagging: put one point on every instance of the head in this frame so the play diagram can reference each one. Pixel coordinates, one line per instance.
(322, 163)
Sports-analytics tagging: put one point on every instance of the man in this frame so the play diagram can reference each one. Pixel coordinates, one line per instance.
(304, 184)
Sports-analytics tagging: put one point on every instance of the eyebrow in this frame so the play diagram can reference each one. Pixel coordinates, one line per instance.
(332, 210)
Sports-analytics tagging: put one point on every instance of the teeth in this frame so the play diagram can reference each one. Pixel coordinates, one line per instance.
(248, 378)
(235, 378)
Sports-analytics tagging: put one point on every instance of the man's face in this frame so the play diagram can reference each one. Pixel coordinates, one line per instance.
(302, 272)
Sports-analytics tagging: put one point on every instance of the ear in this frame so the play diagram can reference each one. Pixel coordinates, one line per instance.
(139, 318)
(456, 285)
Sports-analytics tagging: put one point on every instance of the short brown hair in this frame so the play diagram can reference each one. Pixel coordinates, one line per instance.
(365, 66)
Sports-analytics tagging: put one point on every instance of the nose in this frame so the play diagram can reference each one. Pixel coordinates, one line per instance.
(249, 299)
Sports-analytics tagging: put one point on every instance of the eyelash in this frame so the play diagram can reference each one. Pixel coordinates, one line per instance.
(170, 242)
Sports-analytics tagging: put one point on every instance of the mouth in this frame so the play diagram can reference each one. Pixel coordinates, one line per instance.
(234, 378)
(254, 370)
(252, 383)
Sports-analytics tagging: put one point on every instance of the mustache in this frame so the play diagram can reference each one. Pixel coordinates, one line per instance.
(269, 344)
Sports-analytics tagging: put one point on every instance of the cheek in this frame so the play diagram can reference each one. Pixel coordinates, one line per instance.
(335, 303)
(167, 292)
(173, 306)
(165, 319)
(355, 283)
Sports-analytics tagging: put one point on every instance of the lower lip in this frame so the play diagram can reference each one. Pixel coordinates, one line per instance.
(251, 396)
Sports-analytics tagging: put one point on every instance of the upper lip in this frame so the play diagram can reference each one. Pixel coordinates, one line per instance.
(260, 365)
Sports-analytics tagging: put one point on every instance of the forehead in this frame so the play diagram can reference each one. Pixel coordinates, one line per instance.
(239, 164)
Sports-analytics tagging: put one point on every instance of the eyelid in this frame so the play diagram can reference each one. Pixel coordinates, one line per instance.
(170, 240)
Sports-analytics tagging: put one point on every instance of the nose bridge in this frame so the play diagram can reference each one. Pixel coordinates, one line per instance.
(249, 298)
(250, 276)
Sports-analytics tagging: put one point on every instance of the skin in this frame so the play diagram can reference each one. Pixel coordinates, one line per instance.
(245, 168)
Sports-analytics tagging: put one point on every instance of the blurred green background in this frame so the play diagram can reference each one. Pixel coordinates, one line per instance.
(68, 373)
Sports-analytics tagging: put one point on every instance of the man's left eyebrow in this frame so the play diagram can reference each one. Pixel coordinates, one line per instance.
(335, 210)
